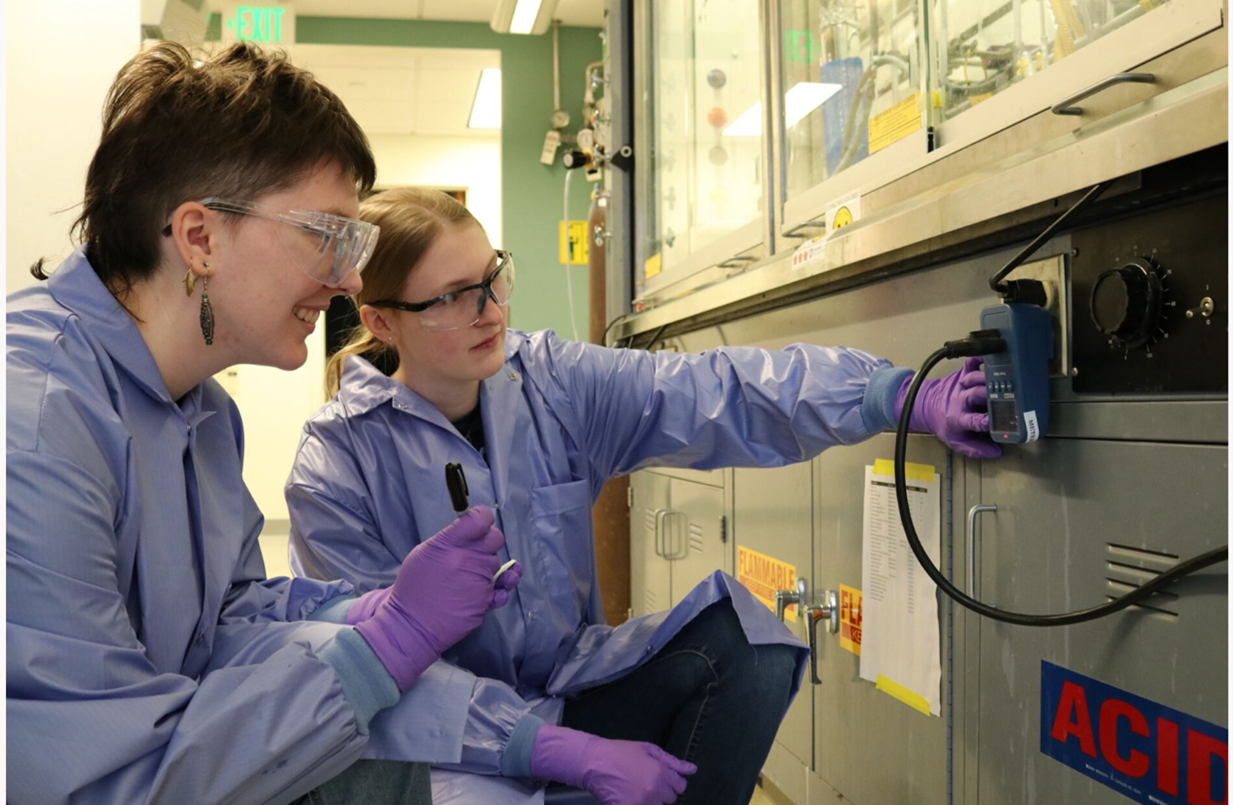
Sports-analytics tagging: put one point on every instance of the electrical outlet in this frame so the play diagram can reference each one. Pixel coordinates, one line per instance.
(1052, 271)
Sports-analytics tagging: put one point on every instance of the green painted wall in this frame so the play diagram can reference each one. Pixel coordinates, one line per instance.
(531, 198)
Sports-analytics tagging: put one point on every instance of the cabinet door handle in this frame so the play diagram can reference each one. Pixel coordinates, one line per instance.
(792, 233)
(786, 598)
(1068, 107)
(680, 528)
(829, 612)
(659, 531)
(972, 514)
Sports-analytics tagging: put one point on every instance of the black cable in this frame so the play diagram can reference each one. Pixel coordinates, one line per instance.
(955, 350)
(995, 282)
(603, 339)
(654, 337)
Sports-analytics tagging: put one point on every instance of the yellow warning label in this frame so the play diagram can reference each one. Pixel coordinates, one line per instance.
(891, 126)
(762, 575)
(850, 619)
(654, 265)
(577, 241)
(843, 217)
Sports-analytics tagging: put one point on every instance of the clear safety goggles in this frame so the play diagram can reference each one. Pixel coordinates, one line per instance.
(465, 306)
(324, 246)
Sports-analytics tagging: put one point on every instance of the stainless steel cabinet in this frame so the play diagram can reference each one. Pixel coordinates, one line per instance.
(857, 727)
(678, 535)
(772, 516)
(1079, 520)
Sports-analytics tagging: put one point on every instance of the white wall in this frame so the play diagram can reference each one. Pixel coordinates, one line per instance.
(60, 59)
(274, 406)
(473, 163)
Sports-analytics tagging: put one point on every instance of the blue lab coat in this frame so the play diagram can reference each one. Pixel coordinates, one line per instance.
(148, 657)
(560, 419)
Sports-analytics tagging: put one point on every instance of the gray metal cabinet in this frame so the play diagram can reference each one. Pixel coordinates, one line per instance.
(699, 541)
(650, 574)
(678, 535)
(858, 727)
(1079, 520)
(772, 515)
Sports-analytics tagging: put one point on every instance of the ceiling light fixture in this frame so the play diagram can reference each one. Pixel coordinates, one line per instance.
(523, 16)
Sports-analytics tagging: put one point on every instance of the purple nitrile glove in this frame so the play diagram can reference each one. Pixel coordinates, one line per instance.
(441, 593)
(953, 409)
(614, 772)
(369, 602)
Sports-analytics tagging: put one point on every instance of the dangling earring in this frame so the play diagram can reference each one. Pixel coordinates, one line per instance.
(207, 311)
(190, 279)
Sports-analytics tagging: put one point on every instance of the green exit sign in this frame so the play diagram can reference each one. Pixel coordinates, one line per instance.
(258, 23)
(800, 47)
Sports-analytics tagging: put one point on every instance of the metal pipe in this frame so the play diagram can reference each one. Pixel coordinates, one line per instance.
(556, 65)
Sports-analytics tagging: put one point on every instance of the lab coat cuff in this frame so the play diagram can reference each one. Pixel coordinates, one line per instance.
(878, 406)
(516, 759)
(333, 611)
(365, 682)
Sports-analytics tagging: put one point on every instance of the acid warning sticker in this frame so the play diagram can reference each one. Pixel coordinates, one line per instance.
(1148, 752)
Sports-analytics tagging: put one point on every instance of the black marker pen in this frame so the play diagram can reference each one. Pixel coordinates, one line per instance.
(456, 482)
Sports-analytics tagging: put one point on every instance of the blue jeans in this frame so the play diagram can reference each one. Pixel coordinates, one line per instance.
(375, 782)
(708, 697)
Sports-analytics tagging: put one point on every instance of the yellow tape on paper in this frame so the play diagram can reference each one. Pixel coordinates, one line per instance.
(654, 265)
(914, 472)
(892, 125)
(762, 575)
(910, 698)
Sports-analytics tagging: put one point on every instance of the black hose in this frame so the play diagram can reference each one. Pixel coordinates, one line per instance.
(1193, 565)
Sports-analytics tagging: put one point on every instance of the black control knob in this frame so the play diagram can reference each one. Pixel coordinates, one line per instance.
(1126, 303)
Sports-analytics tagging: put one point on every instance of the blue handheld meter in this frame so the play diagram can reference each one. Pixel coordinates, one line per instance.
(1018, 378)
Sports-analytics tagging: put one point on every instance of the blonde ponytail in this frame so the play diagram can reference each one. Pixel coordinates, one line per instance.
(362, 342)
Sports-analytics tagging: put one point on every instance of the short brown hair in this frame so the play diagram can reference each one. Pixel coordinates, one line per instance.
(242, 123)
(410, 218)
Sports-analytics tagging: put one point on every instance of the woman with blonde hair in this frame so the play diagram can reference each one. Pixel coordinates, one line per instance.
(680, 704)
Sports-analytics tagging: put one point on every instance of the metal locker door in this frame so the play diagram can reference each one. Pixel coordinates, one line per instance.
(695, 549)
(1076, 521)
(869, 747)
(650, 574)
(773, 515)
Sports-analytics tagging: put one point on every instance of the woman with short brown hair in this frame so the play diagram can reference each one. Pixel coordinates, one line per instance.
(149, 658)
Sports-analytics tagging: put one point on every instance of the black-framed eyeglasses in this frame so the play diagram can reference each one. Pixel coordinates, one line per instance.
(465, 306)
